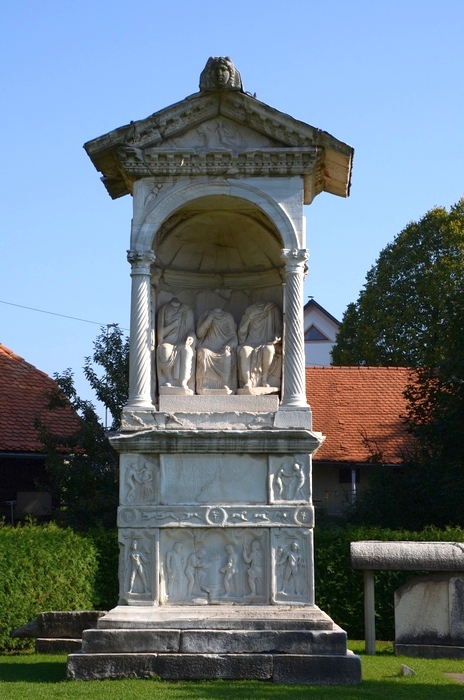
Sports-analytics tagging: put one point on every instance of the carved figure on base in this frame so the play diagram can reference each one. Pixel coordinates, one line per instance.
(137, 563)
(289, 487)
(255, 570)
(230, 569)
(176, 346)
(195, 572)
(290, 562)
(175, 570)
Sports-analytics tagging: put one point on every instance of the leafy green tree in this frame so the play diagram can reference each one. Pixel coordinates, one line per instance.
(111, 353)
(428, 489)
(83, 467)
(402, 316)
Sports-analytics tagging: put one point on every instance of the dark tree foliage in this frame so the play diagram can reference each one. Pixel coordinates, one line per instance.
(83, 467)
(401, 316)
(429, 487)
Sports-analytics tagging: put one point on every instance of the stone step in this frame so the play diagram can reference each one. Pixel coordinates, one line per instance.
(220, 617)
(194, 641)
(283, 668)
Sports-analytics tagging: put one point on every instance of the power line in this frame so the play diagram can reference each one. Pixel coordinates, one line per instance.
(52, 313)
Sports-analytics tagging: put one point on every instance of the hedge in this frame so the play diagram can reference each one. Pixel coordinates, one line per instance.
(106, 586)
(340, 589)
(42, 567)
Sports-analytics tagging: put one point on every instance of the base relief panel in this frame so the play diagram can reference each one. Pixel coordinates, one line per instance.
(292, 552)
(214, 566)
(138, 566)
(192, 479)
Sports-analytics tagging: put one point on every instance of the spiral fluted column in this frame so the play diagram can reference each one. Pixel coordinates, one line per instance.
(140, 330)
(294, 390)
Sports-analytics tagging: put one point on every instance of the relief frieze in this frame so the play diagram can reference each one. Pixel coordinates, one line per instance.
(219, 516)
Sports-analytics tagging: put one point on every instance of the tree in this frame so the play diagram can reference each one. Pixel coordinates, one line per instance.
(429, 487)
(83, 467)
(111, 352)
(402, 317)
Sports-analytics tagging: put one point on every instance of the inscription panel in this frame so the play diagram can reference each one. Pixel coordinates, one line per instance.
(200, 479)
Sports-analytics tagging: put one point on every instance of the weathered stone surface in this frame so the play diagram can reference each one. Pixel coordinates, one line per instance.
(57, 646)
(229, 666)
(317, 670)
(429, 610)
(212, 404)
(87, 667)
(133, 641)
(178, 440)
(422, 614)
(412, 556)
(300, 418)
(59, 624)
(430, 651)
(225, 617)
(249, 642)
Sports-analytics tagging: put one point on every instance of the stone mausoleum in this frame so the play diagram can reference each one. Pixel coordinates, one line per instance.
(216, 519)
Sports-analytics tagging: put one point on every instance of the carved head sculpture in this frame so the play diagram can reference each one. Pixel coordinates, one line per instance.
(220, 74)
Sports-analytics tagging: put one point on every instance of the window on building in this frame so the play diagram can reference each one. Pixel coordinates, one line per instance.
(314, 333)
(344, 475)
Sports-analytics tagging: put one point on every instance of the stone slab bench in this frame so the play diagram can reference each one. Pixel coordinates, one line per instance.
(373, 555)
(58, 632)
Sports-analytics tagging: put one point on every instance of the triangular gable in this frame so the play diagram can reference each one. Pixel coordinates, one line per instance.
(288, 146)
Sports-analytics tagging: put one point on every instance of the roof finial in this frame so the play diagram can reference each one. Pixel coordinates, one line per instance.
(220, 74)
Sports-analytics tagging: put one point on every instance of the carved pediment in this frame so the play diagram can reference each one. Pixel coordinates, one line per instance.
(221, 132)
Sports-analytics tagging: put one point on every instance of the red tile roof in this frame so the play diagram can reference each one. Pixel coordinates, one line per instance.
(23, 396)
(350, 404)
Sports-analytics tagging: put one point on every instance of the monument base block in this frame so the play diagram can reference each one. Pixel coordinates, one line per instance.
(281, 643)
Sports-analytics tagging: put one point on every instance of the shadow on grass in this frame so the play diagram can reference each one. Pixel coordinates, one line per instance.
(370, 690)
(38, 672)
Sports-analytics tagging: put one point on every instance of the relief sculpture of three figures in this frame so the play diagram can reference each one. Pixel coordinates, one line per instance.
(213, 356)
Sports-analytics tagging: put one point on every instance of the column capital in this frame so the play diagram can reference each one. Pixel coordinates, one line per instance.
(295, 259)
(141, 259)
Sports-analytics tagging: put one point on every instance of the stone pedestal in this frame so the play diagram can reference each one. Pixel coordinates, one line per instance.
(283, 644)
(216, 564)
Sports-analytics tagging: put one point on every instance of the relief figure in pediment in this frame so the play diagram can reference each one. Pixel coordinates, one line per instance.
(259, 356)
(176, 346)
(216, 354)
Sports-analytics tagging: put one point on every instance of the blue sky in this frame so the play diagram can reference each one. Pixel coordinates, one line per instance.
(384, 77)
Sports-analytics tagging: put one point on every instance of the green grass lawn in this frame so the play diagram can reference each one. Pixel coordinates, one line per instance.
(40, 677)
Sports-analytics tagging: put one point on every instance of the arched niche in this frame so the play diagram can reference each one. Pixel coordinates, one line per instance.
(218, 251)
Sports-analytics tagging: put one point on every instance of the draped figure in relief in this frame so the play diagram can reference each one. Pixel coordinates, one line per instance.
(176, 346)
(260, 334)
(216, 354)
